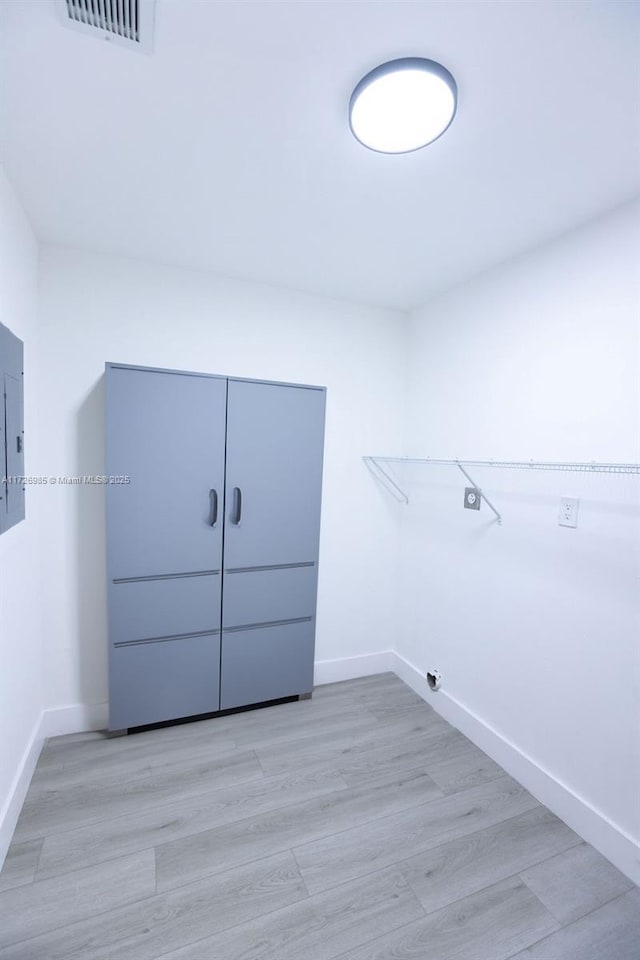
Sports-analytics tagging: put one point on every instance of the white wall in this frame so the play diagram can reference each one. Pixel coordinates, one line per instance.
(535, 626)
(95, 309)
(20, 625)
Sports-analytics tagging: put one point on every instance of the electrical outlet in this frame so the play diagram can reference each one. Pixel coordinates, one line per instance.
(568, 513)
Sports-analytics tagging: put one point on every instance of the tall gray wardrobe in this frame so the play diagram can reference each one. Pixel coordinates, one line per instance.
(213, 517)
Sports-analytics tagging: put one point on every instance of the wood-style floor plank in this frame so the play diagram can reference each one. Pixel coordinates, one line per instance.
(348, 745)
(305, 725)
(610, 933)
(142, 755)
(462, 767)
(554, 883)
(464, 866)
(359, 850)
(392, 707)
(158, 824)
(21, 863)
(369, 763)
(200, 855)
(146, 928)
(485, 926)
(384, 684)
(318, 928)
(47, 904)
(65, 807)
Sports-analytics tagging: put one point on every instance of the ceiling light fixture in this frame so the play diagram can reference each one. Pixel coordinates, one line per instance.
(403, 105)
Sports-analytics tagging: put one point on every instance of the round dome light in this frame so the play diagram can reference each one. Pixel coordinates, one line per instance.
(403, 105)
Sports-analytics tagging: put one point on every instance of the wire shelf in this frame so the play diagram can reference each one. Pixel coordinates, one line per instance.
(590, 467)
(377, 467)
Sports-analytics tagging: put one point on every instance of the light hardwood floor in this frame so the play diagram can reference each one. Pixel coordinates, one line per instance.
(357, 826)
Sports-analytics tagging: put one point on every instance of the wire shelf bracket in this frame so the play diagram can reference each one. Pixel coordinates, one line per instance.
(376, 465)
(387, 481)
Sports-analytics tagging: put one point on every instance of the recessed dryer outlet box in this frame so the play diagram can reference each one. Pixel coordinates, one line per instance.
(472, 498)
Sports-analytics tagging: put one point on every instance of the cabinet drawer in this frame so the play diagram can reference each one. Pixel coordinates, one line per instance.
(152, 682)
(150, 609)
(260, 596)
(266, 663)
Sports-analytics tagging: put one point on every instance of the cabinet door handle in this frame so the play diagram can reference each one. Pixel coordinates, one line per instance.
(237, 506)
(213, 497)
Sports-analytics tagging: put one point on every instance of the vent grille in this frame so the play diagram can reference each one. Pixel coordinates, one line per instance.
(125, 22)
(121, 17)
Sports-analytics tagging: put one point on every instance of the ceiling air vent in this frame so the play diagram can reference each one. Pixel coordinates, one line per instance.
(125, 22)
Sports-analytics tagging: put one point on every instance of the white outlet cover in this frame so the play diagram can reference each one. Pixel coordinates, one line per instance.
(568, 512)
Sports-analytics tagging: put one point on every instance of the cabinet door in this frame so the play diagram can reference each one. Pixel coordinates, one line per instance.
(165, 456)
(272, 522)
(274, 474)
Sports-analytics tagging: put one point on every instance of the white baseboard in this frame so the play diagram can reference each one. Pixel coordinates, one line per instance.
(349, 668)
(590, 823)
(18, 790)
(75, 718)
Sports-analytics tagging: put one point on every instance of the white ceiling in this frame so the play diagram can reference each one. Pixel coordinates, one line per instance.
(228, 148)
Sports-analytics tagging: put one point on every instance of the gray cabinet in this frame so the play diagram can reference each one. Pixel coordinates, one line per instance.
(213, 514)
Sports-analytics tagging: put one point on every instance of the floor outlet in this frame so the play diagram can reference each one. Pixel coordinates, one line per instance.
(568, 513)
